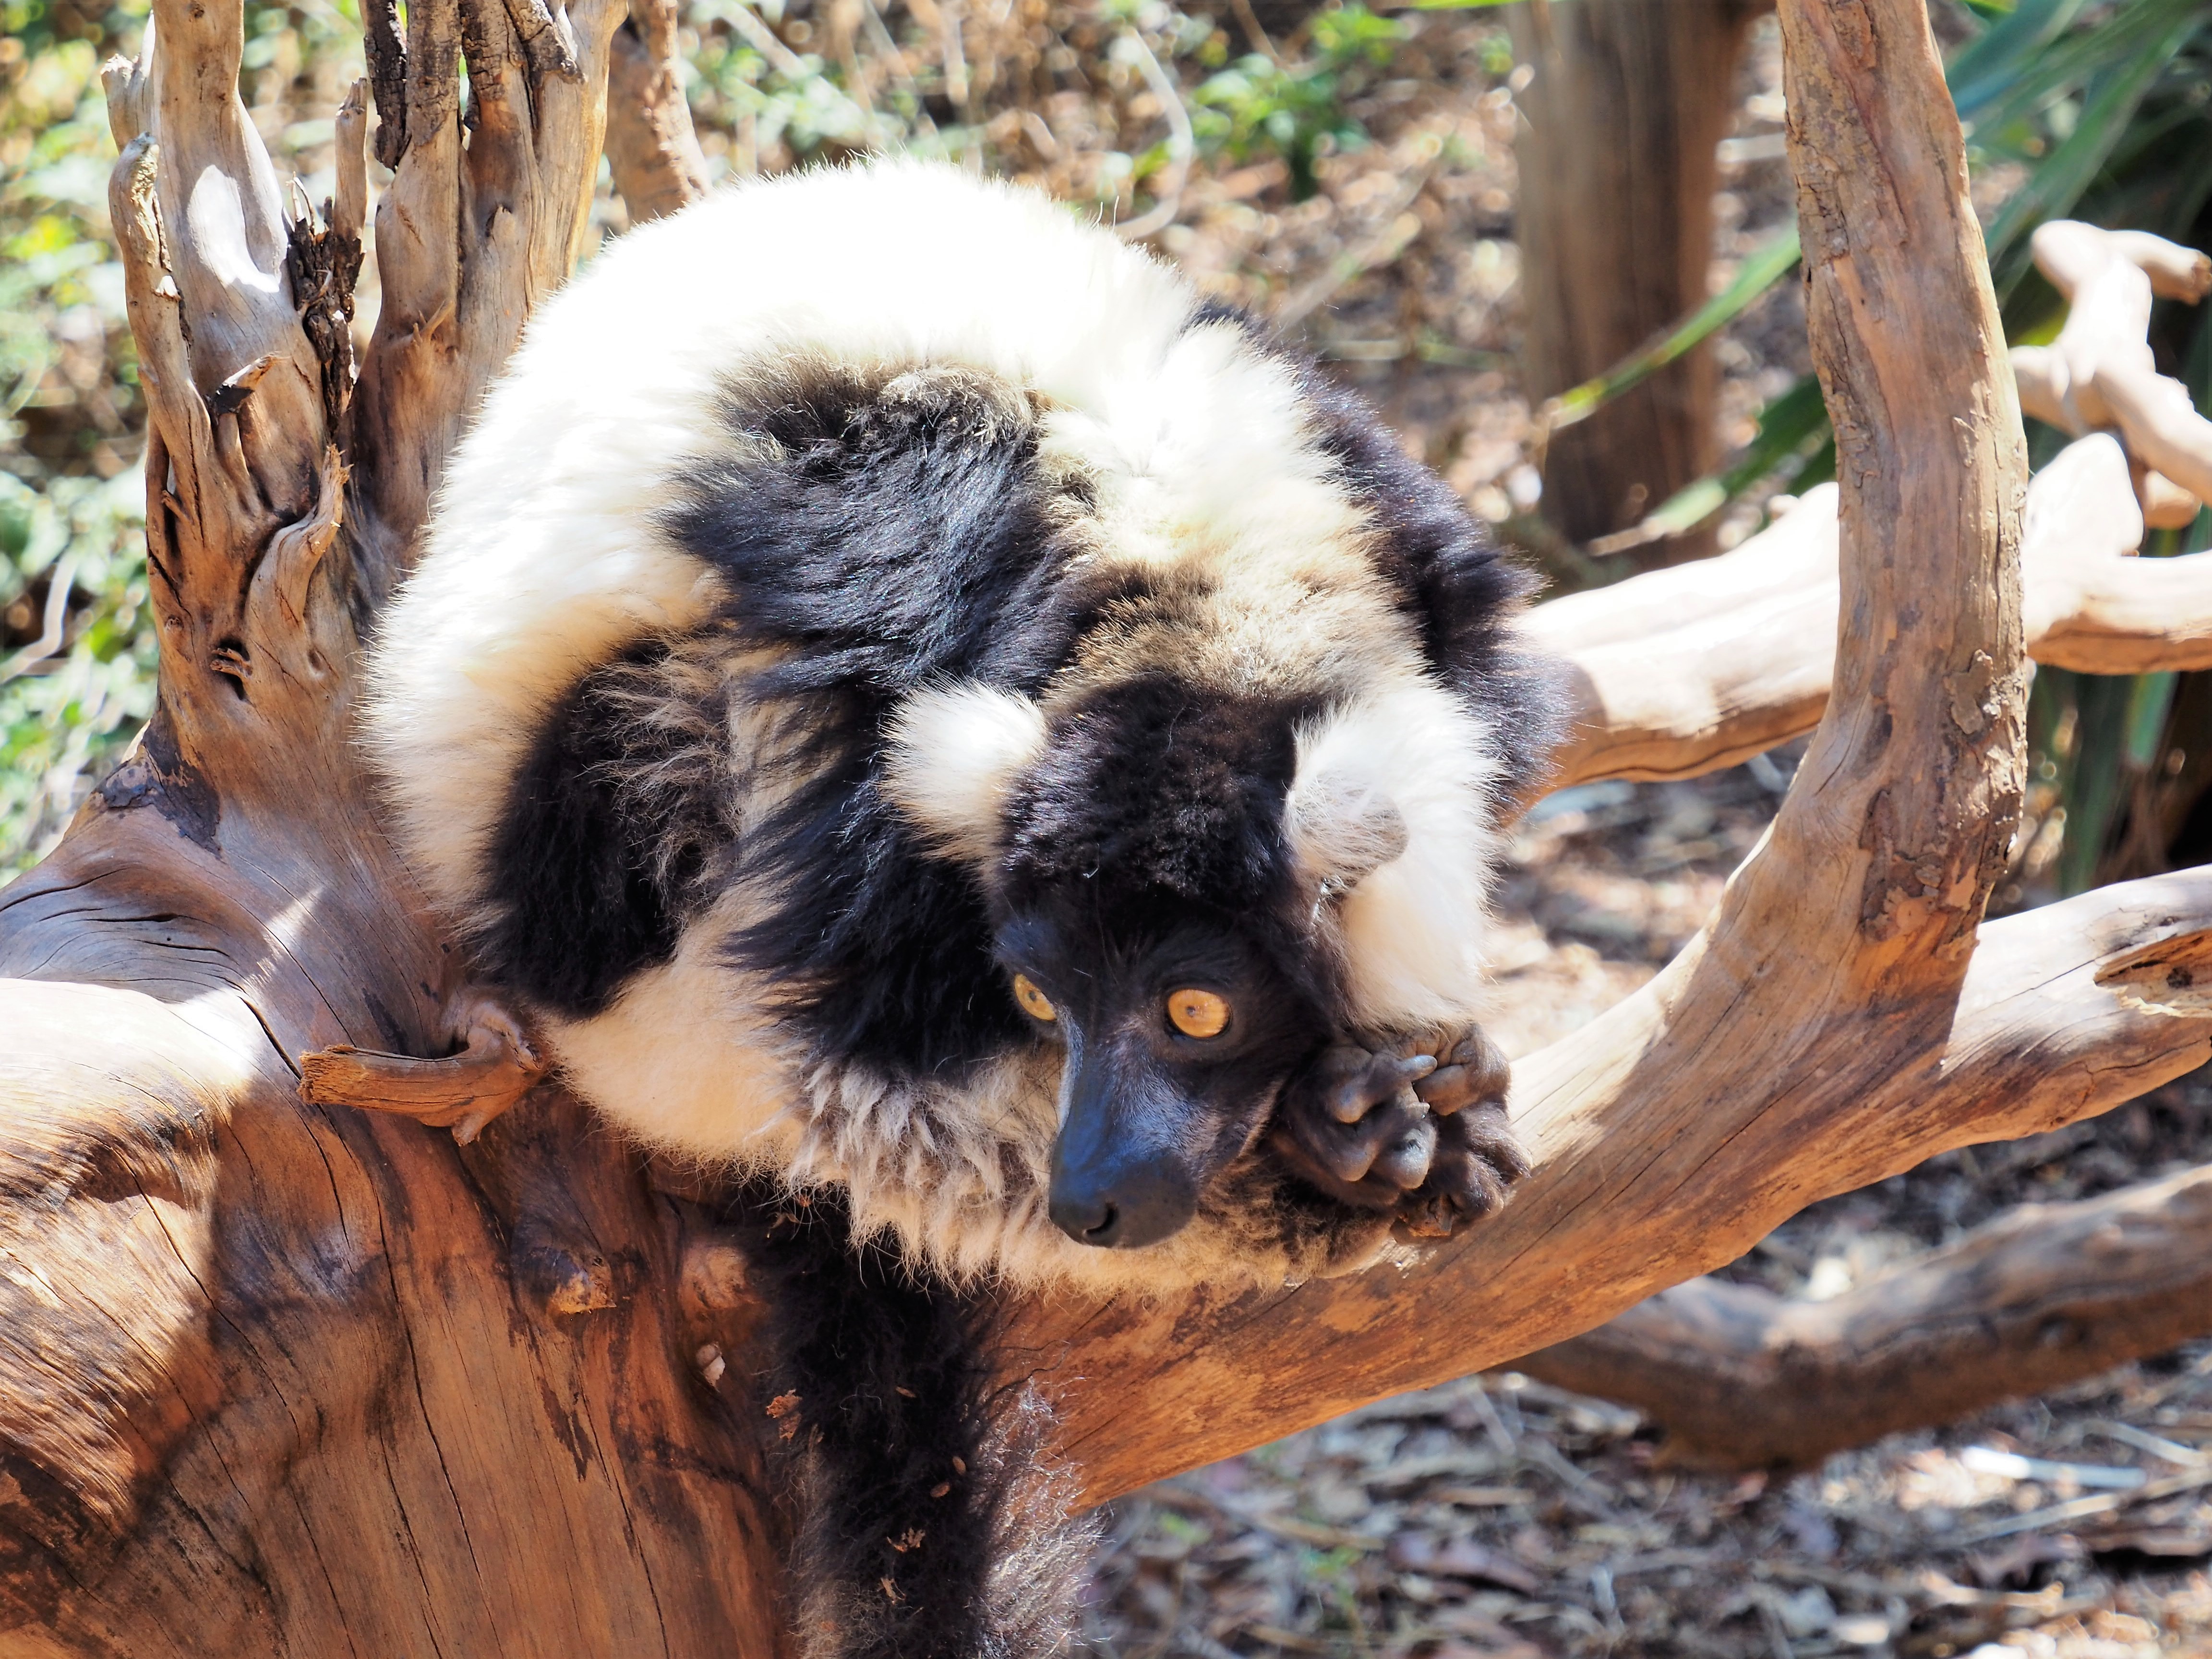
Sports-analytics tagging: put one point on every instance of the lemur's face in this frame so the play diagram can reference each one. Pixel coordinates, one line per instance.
(1179, 1034)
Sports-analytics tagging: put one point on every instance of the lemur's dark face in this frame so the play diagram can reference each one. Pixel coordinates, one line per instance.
(1180, 1032)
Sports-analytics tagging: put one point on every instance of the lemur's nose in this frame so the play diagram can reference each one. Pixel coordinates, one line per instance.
(1089, 1219)
(1118, 1208)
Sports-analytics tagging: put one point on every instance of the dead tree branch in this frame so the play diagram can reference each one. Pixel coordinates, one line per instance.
(2044, 1295)
(1803, 1043)
(658, 164)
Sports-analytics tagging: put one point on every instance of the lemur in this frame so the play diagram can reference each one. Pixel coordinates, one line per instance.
(925, 715)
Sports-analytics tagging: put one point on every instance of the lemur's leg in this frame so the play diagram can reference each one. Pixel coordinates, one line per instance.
(922, 1493)
(1391, 1131)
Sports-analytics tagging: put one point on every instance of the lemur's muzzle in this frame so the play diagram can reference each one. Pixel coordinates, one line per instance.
(1122, 1173)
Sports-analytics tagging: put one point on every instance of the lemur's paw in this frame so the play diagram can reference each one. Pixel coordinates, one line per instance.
(1471, 1070)
(1351, 1124)
(1476, 1157)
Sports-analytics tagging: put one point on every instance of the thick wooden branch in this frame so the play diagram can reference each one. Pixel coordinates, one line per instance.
(276, 1377)
(1682, 671)
(1791, 1051)
(2066, 1012)
(2046, 1295)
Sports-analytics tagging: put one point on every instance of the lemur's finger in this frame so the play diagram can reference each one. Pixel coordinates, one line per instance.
(1484, 1132)
(1404, 1163)
(1352, 1098)
(1351, 1150)
(1474, 1069)
(1476, 1159)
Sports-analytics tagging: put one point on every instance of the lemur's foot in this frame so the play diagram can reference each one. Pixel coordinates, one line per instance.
(1476, 1157)
(1351, 1124)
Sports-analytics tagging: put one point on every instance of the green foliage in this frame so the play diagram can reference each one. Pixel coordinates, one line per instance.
(799, 101)
(2106, 109)
(1258, 107)
(65, 720)
(70, 499)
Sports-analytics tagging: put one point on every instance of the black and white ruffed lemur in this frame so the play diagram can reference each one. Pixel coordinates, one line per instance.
(921, 712)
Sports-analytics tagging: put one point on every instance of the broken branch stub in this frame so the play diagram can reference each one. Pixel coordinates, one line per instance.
(2099, 374)
(1681, 671)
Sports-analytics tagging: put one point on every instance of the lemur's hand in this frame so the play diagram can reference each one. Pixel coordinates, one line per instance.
(1351, 1124)
(1476, 1157)
(1397, 1132)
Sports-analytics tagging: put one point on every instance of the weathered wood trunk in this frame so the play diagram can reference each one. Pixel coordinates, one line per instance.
(1628, 106)
(278, 1377)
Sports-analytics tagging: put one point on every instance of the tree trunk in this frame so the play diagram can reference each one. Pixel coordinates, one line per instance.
(277, 1375)
(1629, 101)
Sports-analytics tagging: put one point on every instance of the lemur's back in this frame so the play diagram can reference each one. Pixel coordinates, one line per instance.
(542, 561)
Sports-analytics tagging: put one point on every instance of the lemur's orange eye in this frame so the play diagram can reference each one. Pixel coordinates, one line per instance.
(1198, 1014)
(1034, 1003)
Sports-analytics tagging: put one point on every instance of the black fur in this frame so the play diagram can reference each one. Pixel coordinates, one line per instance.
(877, 533)
(1453, 580)
(914, 1474)
(1158, 787)
(886, 536)
(587, 890)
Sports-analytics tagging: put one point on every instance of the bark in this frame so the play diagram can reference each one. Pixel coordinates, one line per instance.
(275, 1378)
(2099, 374)
(2044, 1295)
(658, 165)
(1615, 224)
(277, 1375)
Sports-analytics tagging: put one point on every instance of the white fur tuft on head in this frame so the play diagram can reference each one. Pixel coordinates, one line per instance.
(954, 750)
(1389, 819)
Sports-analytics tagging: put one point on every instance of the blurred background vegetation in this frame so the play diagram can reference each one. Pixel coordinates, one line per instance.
(1348, 172)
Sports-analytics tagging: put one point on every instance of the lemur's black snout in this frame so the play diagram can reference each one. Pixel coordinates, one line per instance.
(1120, 1179)
(1142, 1208)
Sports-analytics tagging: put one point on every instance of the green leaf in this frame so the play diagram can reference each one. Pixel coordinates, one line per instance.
(1758, 273)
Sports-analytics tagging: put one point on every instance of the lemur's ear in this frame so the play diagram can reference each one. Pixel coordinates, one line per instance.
(954, 751)
(1343, 825)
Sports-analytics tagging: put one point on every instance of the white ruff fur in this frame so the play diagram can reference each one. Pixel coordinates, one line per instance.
(542, 562)
(1413, 928)
(954, 749)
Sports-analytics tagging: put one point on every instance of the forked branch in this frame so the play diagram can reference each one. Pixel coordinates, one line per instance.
(1804, 1043)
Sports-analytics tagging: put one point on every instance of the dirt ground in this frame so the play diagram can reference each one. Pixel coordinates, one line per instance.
(1498, 1516)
